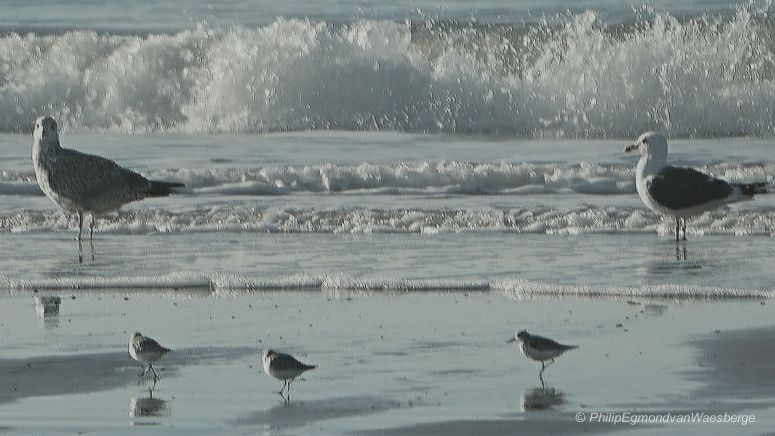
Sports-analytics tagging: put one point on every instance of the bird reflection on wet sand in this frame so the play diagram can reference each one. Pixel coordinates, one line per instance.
(541, 399)
(80, 250)
(47, 309)
(680, 260)
(147, 406)
(680, 254)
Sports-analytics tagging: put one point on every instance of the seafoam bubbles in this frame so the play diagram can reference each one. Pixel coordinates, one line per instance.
(411, 178)
(353, 220)
(574, 76)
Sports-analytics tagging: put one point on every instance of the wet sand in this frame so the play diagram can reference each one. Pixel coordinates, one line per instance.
(401, 363)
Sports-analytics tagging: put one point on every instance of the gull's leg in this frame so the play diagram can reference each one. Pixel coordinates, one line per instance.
(684, 227)
(677, 229)
(80, 224)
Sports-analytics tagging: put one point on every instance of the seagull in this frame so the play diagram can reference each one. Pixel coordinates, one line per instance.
(681, 192)
(146, 351)
(283, 367)
(540, 349)
(83, 183)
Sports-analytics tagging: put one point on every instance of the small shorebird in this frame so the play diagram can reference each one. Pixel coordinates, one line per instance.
(283, 367)
(83, 183)
(679, 192)
(146, 351)
(540, 349)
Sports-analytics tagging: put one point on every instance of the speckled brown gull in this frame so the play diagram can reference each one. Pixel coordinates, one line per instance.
(83, 183)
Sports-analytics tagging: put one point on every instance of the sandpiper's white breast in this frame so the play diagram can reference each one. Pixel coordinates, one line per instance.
(266, 361)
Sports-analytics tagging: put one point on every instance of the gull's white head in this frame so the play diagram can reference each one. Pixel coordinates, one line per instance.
(44, 130)
(650, 144)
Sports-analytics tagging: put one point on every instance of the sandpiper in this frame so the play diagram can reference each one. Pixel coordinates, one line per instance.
(283, 367)
(146, 351)
(540, 349)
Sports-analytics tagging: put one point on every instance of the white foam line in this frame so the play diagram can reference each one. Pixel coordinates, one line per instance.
(226, 284)
(524, 288)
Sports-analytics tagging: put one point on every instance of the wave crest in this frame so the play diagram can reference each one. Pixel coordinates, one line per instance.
(706, 76)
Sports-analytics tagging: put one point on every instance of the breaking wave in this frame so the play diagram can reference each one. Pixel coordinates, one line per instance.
(541, 220)
(705, 76)
(412, 177)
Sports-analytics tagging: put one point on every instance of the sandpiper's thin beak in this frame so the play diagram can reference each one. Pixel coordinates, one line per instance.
(630, 148)
(511, 340)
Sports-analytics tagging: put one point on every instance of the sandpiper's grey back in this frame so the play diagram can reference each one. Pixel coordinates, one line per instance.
(144, 344)
(543, 343)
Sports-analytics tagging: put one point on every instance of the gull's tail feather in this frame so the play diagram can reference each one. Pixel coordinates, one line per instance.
(162, 189)
(750, 189)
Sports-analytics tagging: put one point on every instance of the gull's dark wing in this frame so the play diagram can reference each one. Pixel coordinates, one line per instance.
(680, 188)
(94, 181)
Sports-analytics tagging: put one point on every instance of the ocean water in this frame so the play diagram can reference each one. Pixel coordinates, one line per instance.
(382, 130)
(391, 211)
(379, 180)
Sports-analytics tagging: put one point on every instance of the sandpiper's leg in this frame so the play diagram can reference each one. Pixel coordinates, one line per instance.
(684, 228)
(677, 229)
(142, 373)
(80, 252)
(541, 373)
(91, 228)
(155, 376)
(281, 391)
(80, 224)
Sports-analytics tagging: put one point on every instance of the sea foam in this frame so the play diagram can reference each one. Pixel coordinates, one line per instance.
(578, 76)
(412, 177)
(229, 284)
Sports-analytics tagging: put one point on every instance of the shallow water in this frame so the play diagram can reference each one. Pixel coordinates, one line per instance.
(369, 234)
(385, 360)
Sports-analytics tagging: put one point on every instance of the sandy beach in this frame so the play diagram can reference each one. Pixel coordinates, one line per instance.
(400, 363)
